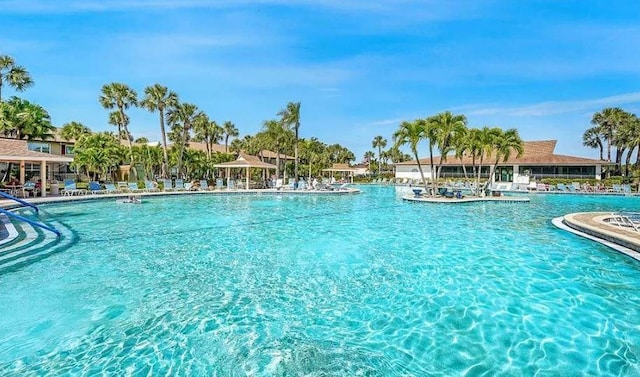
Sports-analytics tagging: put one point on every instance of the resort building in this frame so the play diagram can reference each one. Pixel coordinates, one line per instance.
(37, 165)
(48, 159)
(538, 161)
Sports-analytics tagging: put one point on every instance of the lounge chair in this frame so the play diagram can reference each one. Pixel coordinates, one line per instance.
(70, 188)
(204, 185)
(96, 188)
(133, 187)
(180, 185)
(150, 186)
(123, 186)
(541, 187)
(219, 183)
(110, 188)
(562, 187)
(626, 189)
(231, 184)
(167, 185)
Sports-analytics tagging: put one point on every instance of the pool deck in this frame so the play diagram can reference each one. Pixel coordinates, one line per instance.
(466, 199)
(5, 203)
(592, 225)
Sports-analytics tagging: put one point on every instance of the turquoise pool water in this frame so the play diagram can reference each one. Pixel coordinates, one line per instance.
(305, 285)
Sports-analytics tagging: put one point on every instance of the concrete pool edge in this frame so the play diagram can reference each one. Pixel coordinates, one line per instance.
(574, 223)
(8, 204)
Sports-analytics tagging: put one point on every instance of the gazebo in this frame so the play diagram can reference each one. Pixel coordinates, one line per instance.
(16, 151)
(247, 162)
(345, 168)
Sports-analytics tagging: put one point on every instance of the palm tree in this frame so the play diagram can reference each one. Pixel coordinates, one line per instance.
(22, 119)
(120, 96)
(291, 117)
(277, 135)
(481, 146)
(182, 118)
(592, 138)
(504, 144)
(447, 129)
(230, 130)
(97, 153)
(159, 98)
(369, 156)
(13, 75)
(379, 142)
(209, 133)
(74, 131)
(412, 133)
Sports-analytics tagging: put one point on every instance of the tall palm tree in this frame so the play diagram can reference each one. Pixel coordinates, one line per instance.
(379, 142)
(120, 96)
(291, 117)
(592, 138)
(13, 75)
(74, 131)
(208, 132)
(482, 146)
(230, 130)
(182, 118)
(447, 128)
(369, 156)
(277, 134)
(504, 144)
(412, 133)
(159, 98)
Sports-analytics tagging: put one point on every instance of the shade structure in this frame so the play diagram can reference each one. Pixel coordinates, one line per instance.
(342, 168)
(247, 162)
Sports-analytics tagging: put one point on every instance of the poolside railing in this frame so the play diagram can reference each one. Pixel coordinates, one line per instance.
(24, 203)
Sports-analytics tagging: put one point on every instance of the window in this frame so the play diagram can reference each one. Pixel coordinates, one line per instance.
(39, 147)
(68, 150)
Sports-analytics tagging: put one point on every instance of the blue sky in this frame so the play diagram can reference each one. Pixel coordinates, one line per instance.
(359, 67)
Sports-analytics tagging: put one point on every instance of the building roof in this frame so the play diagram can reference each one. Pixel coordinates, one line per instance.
(18, 150)
(203, 147)
(269, 154)
(246, 161)
(340, 167)
(535, 153)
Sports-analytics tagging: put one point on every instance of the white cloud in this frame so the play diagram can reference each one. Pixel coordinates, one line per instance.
(553, 107)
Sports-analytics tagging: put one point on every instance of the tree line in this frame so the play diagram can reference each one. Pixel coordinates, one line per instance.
(619, 129)
(99, 153)
(450, 135)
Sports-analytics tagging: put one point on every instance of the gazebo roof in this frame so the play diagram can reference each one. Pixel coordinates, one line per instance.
(340, 167)
(246, 161)
(17, 150)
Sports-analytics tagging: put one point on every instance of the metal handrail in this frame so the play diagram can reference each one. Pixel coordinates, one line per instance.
(24, 203)
(39, 225)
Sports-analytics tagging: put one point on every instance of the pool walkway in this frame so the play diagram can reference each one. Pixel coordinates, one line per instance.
(598, 227)
(72, 198)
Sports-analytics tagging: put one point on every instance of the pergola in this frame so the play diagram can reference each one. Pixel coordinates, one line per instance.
(341, 168)
(17, 151)
(245, 162)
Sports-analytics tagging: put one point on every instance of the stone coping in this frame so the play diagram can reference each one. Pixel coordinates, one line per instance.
(594, 224)
(466, 199)
(6, 203)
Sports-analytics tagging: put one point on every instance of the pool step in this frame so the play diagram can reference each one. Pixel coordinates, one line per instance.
(27, 244)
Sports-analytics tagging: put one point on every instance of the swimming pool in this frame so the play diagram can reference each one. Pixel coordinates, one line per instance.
(305, 285)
